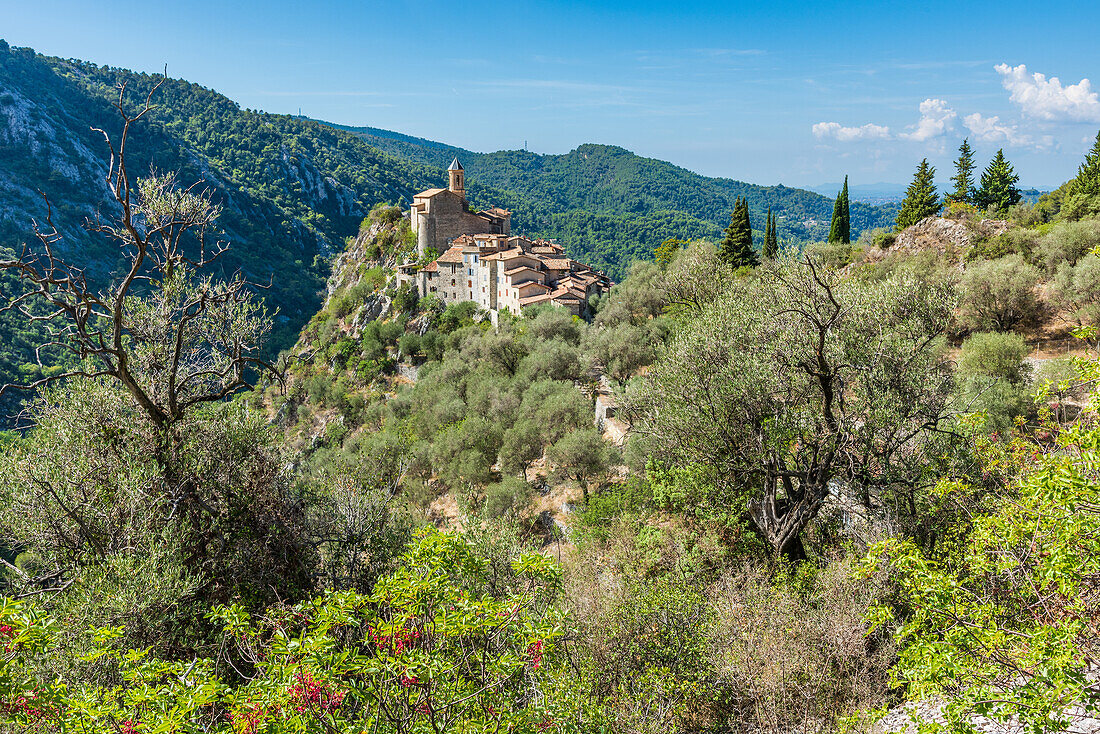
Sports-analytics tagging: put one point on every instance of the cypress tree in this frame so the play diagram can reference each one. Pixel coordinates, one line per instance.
(921, 199)
(736, 247)
(841, 228)
(998, 189)
(771, 238)
(963, 193)
(1087, 182)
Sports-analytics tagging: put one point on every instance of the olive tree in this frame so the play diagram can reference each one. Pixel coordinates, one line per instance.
(999, 294)
(796, 382)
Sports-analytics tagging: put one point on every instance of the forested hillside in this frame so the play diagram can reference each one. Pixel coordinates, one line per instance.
(607, 200)
(291, 190)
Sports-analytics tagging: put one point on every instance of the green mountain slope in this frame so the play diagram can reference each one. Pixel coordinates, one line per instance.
(293, 189)
(613, 197)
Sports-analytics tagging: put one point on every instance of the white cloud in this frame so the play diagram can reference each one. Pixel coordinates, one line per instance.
(870, 131)
(992, 130)
(936, 119)
(1047, 99)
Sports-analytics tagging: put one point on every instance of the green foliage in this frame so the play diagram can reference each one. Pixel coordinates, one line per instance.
(997, 191)
(510, 497)
(746, 389)
(736, 247)
(993, 354)
(993, 379)
(1066, 243)
(439, 646)
(457, 315)
(840, 230)
(998, 294)
(583, 454)
(1076, 288)
(1016, 642)
(667, 250)
(921, 200)
(963, 192)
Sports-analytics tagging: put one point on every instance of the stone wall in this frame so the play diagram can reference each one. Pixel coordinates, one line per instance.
(445, 217)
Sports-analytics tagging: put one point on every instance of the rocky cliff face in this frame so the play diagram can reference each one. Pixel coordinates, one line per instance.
(291, 190)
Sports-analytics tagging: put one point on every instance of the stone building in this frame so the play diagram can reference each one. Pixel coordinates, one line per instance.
(498, 271)
(482, 262)
(440, 215)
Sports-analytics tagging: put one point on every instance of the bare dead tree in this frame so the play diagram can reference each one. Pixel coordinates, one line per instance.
(172, 338)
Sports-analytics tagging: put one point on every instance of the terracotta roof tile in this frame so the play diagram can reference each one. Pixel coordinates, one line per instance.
(452, 255)
(542, 298)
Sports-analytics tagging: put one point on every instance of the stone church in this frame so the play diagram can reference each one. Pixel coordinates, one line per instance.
(441, 215)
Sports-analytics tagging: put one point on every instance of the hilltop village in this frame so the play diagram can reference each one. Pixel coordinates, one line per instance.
(483, 262)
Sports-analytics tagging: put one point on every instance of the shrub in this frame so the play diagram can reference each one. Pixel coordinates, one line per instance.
(1015, 241)
(1025, 215)
(1067, 243)
(996, 355)
(833, 254)
(993, 379)
(999, 294)
(510, 497)
(398, 660)
(1076, 288)
(409, 344)
(457, 315)
(383, 213)
(406, 298)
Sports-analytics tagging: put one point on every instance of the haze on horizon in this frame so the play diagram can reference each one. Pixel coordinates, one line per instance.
(763, 92)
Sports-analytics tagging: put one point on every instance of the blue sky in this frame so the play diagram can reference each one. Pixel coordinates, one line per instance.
(768, 92)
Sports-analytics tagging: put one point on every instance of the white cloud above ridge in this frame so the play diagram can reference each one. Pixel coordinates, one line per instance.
(992, 130)
(1047, 99)
(936, 120)
(842, 134)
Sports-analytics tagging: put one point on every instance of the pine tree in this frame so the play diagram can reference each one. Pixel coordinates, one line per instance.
(736, 247)
(771, 238)
(963, 193)
(841, 228)
(1087, 182)
(998, 189)
(921, 199)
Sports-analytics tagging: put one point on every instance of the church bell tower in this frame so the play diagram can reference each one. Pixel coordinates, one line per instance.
(457, 184)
